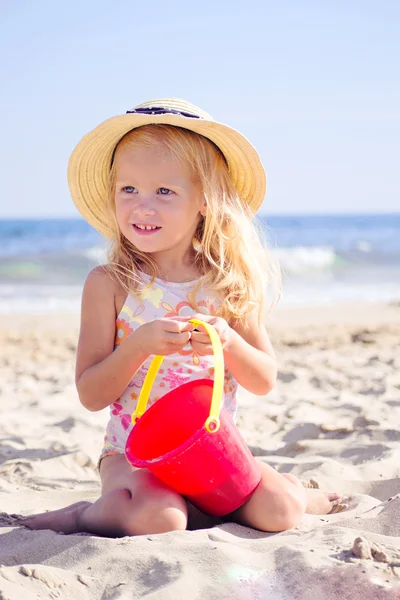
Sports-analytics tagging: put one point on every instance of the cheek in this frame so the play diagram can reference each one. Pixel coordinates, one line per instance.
(118, 212)
(187, 209)
(181, 218)
(122, 215)
(122, 208)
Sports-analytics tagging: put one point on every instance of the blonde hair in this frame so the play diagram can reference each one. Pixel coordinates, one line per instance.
(233, 261)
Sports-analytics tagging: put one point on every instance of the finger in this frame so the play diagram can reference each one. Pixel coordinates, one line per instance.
(178, 339)
(187, 319)
(202, 349)
(181, 318)
(200, 337)
(196, 316)
(208, 321)
(176, 326)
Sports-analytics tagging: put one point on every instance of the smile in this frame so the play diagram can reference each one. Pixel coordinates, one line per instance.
(145, 229)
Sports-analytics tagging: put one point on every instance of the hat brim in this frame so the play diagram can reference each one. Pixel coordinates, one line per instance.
(90, 162)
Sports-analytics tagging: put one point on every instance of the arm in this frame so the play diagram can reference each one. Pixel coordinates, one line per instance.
(250, 357)
(248, 352)
(102, 374)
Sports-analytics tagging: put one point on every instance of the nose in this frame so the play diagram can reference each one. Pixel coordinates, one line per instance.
(145, 207)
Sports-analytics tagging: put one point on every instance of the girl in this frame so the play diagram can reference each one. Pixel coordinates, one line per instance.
(175, 192)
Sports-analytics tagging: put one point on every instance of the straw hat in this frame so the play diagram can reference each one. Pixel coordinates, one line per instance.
(90, 162)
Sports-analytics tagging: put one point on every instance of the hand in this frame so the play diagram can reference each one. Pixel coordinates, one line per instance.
(200, 340)
(164, 336)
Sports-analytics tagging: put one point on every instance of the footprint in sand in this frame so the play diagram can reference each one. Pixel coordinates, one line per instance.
(40, 581)
(363, 337)
(367, 550)
(286, 376)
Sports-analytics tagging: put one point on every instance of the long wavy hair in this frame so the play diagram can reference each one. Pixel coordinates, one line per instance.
(234, 261)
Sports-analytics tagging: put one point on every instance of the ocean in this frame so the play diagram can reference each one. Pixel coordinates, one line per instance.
(325, 259)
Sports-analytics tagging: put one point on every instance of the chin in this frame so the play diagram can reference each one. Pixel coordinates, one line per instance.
(149, 248)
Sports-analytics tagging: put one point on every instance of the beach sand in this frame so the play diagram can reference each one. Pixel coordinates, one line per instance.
(333, 420)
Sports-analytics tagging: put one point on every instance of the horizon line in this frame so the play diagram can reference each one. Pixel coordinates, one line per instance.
(260, 214)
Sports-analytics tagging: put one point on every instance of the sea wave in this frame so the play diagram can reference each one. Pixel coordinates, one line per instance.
(299, 260)
(308, 290)
(302, 259)
(39, 299)
(96, 254)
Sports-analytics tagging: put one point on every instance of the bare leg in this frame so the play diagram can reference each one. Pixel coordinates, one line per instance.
(280, 501)
(64, 520)
(133, 502)
(318, 501)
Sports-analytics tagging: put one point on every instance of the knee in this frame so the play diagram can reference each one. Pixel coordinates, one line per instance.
(274, 509)
(157, 514)
(285, 512)
(291, 510)
(292, 504)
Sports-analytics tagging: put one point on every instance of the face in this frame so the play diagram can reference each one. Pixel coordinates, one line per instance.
(157, 201)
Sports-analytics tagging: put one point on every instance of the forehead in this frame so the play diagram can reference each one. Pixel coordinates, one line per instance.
(153, 158)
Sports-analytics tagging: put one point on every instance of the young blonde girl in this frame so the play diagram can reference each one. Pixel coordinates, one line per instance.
(175, 192)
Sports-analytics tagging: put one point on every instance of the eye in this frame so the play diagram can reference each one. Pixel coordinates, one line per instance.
(129, 189)
(165, 191)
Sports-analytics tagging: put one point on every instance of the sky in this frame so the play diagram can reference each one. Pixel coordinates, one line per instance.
(314, 85)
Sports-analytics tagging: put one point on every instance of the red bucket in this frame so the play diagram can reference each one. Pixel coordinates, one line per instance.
(191, 444)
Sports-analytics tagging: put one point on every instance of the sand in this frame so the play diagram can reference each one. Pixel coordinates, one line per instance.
(333, 420)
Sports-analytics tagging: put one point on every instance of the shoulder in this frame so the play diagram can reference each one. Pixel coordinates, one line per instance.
(101, 288)
(99, 279)
(101, 275)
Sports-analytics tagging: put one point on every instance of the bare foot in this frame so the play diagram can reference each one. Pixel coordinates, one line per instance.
(323, 503)
(65, 520)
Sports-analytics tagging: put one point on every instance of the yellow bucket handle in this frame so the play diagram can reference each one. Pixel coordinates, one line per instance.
(212, 423)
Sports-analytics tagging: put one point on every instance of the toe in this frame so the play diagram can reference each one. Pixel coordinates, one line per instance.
(333, 496)
(338, 507)
(23, 521)
(26, 522)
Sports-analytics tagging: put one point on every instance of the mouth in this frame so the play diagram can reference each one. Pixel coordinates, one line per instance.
(145, 229)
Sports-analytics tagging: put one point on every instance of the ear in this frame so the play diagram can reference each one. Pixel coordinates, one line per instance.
(203, 207)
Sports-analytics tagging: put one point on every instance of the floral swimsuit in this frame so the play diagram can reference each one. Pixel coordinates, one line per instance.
(162, 299)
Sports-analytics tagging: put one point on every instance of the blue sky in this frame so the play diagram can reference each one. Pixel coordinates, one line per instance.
(314, 85)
